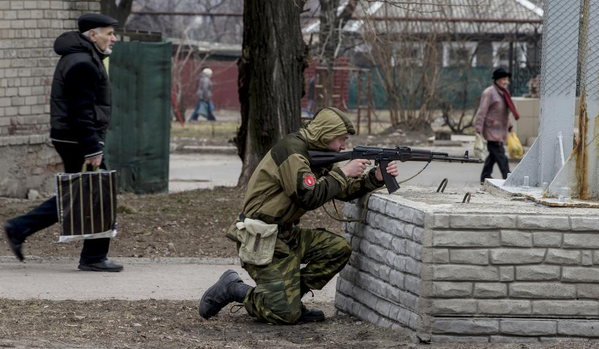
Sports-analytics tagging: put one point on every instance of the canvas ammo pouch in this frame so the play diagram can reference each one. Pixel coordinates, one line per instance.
(258, 240)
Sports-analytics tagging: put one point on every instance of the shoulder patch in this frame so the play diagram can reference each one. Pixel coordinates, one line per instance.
(309, 180)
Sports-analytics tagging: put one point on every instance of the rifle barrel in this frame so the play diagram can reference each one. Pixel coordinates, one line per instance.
(459, 159)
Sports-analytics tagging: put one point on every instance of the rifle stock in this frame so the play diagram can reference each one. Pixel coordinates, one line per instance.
(382, 157)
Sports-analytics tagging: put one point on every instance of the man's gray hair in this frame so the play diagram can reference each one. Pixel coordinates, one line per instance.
(96, 30)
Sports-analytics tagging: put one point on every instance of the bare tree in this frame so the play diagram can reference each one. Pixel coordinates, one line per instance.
(330, 38)
(186, 62)
(206, 27)
(407, 57)
(270, 78)
(431, 59)
(119, 11)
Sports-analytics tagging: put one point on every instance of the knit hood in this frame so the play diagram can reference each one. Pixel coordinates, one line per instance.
(326, 125)
(75, 42)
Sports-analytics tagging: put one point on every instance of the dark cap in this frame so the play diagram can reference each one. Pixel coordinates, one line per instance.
(501, 73)
(95, 20)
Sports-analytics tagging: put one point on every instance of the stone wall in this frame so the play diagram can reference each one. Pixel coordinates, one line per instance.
(470, 273)
(27, 61)
(381, 282)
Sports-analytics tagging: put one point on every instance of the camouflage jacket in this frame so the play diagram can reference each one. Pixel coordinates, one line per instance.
(284, 186)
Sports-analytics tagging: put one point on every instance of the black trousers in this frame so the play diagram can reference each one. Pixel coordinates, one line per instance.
(46, 214)
(496, 155)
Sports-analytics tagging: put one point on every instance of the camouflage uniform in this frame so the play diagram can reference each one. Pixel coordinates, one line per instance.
(281, 190)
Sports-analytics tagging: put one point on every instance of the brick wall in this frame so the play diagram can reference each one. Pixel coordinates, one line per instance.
(381, 283)
(446, 276)
(27, 61)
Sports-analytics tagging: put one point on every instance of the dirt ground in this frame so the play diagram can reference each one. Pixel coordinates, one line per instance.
(188, 224)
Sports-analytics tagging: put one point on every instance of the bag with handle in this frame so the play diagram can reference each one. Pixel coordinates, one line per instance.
(514, 146)
(258, 240)
(87, 206)
(480, 147)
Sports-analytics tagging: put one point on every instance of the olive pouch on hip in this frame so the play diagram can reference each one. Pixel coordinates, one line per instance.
(258, 240)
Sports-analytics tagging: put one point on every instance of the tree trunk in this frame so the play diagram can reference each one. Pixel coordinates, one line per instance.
(330, 26)
(271, 81)
(119, 12)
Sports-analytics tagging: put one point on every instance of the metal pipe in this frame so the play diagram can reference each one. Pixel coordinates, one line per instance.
(373, 18)
(442, 185)
(176, 13)
(560, 137)
(451, 19)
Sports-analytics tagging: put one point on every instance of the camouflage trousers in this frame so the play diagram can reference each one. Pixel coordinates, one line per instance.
(281, 284)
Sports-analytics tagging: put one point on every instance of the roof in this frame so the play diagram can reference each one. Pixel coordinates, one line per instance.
(442, 16)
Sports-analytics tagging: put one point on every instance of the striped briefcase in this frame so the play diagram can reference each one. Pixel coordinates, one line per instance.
(86, 205)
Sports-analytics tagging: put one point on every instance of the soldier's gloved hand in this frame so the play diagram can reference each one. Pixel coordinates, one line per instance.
(391, 169)
(355, 168)
(95, 161)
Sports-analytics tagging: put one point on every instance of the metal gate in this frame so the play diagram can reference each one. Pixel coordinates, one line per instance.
(138, 140)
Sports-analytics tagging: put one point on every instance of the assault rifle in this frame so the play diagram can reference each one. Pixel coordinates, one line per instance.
(382, 157)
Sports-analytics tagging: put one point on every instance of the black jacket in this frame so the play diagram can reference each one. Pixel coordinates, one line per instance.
(80, 98)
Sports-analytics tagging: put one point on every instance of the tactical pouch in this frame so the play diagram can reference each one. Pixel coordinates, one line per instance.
(258, 240)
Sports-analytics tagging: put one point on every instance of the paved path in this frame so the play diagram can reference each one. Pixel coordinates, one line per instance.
(169, 279)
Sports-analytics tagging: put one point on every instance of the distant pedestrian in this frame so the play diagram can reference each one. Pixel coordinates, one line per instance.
(492, 121)
(204, 107)
(80, 110)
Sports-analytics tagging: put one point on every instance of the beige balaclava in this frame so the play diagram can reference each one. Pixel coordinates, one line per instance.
(327, 124)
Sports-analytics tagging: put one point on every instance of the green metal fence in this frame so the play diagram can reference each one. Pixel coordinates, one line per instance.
(138, 140)
(453, 86)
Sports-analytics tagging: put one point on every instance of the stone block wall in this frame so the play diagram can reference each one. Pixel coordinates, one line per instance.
(382, 282)
(27, 61)
(473, 276)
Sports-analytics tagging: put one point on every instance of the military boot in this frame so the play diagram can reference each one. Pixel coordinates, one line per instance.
(310, 315)
(229, 288)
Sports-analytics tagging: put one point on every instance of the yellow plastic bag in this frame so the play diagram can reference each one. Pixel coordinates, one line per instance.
(514, 146)
(480, 147)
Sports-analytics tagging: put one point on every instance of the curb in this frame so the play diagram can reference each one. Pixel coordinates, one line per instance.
(199, 149)
(129, 260)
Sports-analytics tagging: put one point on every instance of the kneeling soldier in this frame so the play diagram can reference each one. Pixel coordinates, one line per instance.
(271, 245)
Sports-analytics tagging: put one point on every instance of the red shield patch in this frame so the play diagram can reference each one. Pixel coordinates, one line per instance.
(309, 181)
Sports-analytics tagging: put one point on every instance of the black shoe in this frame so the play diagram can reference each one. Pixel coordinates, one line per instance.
(14, 242)
(311, 315)
(228, 288)
(107, 266)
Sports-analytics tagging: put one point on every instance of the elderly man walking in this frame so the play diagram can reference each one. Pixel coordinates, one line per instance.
(80, 110)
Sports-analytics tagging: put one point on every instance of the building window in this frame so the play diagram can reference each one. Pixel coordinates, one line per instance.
(457, 54)
(501, 54)
(408, 54)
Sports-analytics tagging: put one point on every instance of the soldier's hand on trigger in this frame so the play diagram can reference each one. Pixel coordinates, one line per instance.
(391, 169)
(95, 161)
(355, 168)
